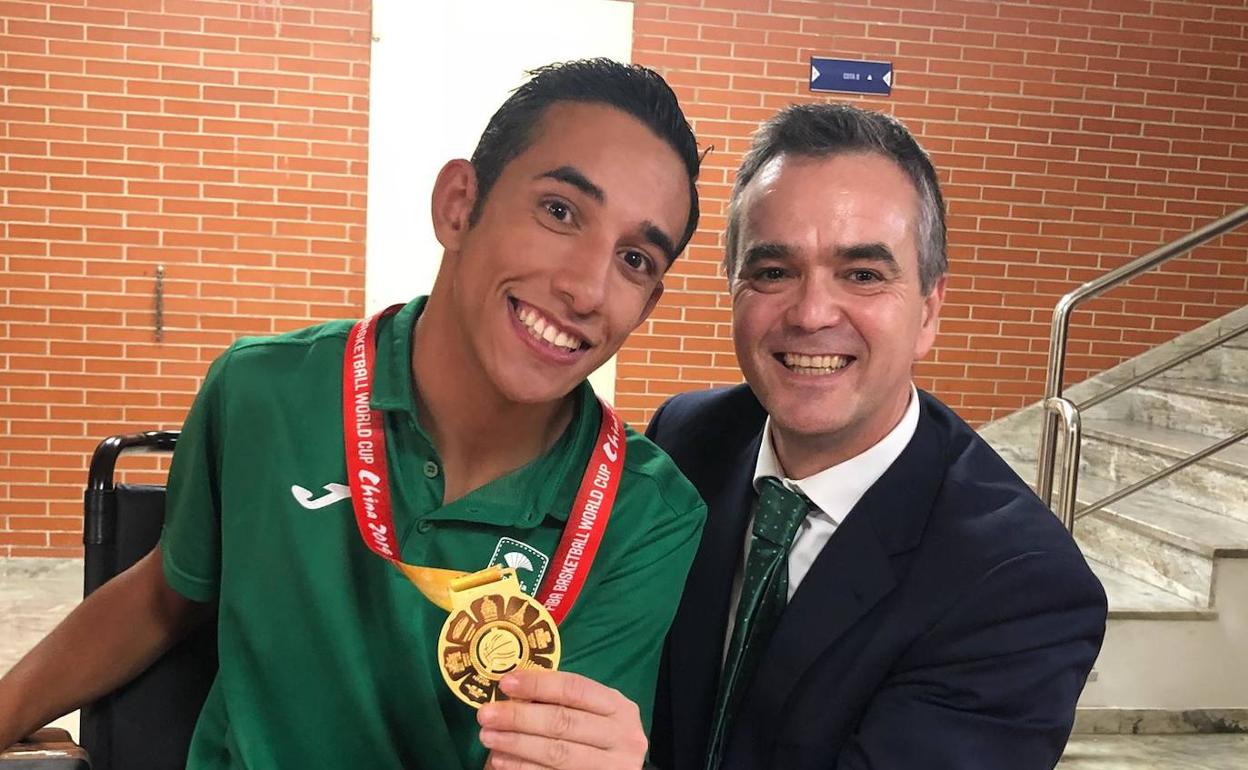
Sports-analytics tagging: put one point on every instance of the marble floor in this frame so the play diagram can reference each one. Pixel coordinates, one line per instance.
(1163, 752)
(36, 593)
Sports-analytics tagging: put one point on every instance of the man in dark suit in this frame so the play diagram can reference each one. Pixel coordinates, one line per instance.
(875, 588)
(937, 616)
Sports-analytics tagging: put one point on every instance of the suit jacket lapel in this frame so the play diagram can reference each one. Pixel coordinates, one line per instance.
(852, 573)
(697, 636)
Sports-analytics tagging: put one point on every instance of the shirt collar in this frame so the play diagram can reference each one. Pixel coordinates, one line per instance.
(836, 490)
(392, 381)
(550, 482)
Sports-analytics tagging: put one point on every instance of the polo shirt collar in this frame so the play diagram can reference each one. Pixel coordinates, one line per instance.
(392, 389)
(548, 484)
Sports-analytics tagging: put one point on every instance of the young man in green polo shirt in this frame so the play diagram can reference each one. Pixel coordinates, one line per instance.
(556, 237)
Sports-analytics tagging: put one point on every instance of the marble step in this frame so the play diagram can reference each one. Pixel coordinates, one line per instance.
(1159, 540)
(1131, 598)
(1125, 451)
(1154, 752)
(1236, 343)
(1234, 355)
(1150, 567)
(1216, 408)
(1227, 362)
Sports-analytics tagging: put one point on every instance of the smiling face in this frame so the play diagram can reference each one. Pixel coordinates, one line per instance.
(828, 313)
(567, 255)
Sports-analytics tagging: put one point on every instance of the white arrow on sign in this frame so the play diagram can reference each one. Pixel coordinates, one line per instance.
(888, 78)
(814, 73)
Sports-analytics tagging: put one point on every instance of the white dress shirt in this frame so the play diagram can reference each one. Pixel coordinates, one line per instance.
(833, 491)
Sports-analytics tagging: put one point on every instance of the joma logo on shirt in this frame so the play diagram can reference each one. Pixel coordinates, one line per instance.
(333, 493)
(528, 562)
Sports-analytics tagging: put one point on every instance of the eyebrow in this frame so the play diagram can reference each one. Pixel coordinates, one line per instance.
(760, 251)
(569, 175)
(661, 239)
(865, 252)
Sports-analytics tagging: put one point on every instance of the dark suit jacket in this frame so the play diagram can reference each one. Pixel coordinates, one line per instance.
(950, 622)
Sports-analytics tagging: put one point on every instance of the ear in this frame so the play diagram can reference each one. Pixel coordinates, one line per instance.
(931, 319)
(650, 303)
(454, 195)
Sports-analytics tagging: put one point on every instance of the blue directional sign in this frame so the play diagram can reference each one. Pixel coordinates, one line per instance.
(847, 75)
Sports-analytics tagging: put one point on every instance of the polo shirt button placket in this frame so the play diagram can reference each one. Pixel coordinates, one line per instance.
(431, 469)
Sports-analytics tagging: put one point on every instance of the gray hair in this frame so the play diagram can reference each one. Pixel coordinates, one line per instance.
(820, 130)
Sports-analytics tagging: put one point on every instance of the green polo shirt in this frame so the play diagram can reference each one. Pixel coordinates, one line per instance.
(328, 654)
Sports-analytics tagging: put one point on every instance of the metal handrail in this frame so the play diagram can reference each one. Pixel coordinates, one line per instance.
(1072, 427)
(1183, 358)
(1061, 328)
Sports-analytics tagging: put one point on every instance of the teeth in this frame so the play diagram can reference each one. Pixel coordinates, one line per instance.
(541, 329)
(806, 364)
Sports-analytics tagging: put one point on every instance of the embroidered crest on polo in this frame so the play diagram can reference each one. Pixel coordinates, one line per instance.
(528, 562)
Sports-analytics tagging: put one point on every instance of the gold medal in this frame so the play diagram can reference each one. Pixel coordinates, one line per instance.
(493, 628)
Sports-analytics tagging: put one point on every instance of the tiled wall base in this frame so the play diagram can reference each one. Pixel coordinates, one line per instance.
(1108, 721)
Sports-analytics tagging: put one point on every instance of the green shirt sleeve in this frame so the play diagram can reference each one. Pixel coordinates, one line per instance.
(191, 540)
(617, 627)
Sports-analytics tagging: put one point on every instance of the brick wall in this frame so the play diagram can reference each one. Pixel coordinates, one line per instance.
(1070, 136)
(225, 141)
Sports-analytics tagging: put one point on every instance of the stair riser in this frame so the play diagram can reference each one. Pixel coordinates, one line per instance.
(1198, 485)
(1234, 362)
(1228, 362)
(1174, 569)
(1111, 721)
(1207, 366)
(1186, 412)
(1179, 665)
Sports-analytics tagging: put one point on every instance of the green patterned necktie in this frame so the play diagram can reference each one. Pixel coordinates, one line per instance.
(764, 592)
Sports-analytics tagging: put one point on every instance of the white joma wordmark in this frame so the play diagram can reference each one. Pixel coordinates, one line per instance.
(333, 493)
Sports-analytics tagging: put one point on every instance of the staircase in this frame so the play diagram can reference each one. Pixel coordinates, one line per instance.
(1173, 557)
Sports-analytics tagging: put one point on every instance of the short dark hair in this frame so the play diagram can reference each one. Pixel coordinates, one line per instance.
(636, 90)
(820, 130)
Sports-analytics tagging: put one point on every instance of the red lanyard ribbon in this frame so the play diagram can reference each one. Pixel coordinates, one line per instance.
(364, 430)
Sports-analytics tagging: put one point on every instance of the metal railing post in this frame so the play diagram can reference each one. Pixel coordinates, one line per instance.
(1058, 407)
(1053, 389)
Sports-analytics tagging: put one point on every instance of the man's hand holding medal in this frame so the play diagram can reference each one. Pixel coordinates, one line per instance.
(563, 721)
